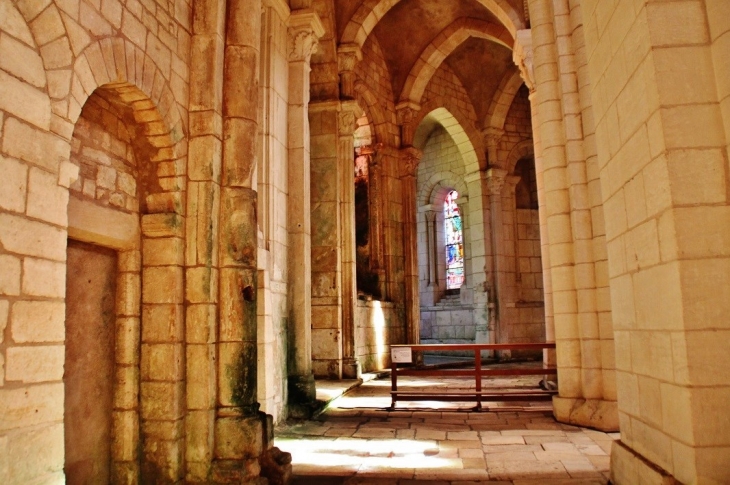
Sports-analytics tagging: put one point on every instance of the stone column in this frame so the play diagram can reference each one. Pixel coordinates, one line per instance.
(409, 164)
(431, 249)
(375, 198)
(201, 254)
(463, 204)
(495, 183)
(510, 315)
(347, 123)
(523, 58)
(239, 427)
(305, 28)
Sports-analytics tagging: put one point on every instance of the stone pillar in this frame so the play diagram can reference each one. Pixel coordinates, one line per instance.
(477, 215)
(201, 253)
(375, 198)
(431, 248)
(523, 58)
(662, 155)
(495, 182)
(577, 247)
(347, 123)
(305, 28)
(239, 427)
(162, 363)
(409, 164)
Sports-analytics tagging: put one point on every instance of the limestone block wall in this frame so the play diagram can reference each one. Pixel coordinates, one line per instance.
(529, 263)
(662, 148)
(53, 57)
(378, 325)
(102, 148)
(272, 215)
(441, 170)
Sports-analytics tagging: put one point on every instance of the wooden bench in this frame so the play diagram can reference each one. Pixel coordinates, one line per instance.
(400, 354)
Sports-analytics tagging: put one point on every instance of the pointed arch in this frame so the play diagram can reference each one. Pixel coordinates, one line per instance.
(367, 16)
(378, 120)
(443, 45)
(465, 135)
(503, 98)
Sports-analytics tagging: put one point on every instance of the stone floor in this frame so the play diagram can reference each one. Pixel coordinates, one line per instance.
(357, 440)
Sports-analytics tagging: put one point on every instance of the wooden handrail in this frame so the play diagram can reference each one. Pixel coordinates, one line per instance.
(478, 372)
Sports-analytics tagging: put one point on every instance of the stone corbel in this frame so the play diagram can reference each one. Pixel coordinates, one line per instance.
(305, 30)
(406, 114)
(348, 55)
(410, 156)
(522, 57)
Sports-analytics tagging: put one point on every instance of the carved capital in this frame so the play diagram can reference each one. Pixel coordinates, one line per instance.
(522, 57)
(495, 180)
(350, 111)
(405, 114)
(348, 55)
(406, 111)
(510, 183)
(410, 157)
(492, 136)
(305, 29)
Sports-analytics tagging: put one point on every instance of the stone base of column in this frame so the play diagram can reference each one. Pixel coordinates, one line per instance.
(241, 443)
(628, 468)
(302, 396)
(351, 369)
(590, 413)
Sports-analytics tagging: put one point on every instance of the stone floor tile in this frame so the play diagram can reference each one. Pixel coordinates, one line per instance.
(430, 434)
(560, 447)
(605, 446)
(474, 463)
(502, 440)
(460, 444)
(471, 453)
(539, 440)
(591, 450)
(462, 436)
(524, 469)
(405, 434)
(340, 432)
(499, 457)
(532, 432)
(374, 433)
(452, 474)
(602, 463)
(511, 448)
(551, 456)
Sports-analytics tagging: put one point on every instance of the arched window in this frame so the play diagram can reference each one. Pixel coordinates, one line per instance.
(454, 242)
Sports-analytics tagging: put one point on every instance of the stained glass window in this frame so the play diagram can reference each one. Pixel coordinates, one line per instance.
(454, 242)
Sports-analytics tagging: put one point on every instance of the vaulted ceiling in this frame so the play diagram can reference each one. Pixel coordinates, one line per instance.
(409, 31)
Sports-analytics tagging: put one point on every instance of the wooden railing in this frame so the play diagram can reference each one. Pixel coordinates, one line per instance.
(401, 354)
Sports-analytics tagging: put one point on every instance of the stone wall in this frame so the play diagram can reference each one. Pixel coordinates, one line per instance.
(378, 325)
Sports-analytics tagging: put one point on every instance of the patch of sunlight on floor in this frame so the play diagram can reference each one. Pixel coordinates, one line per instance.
(370, 453)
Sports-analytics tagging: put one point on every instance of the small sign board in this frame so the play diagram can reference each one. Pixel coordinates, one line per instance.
(401, 355)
